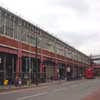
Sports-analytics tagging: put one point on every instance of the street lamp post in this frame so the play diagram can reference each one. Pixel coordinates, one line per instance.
(36, 60)
(38, 39)
(78, 66)
(73, 65)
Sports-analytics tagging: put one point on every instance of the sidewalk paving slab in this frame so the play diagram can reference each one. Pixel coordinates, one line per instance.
(13, 88)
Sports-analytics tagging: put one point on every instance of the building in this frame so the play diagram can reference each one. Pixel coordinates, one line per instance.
(28, 52)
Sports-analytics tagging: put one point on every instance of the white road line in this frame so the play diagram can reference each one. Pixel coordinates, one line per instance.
(17, 91)
(35, 95)
(61, 89)
(73, 86)
(41, 94)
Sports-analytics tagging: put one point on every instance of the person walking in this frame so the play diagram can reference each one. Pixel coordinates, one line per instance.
(68, 73)
(16, 81)
(19, 82)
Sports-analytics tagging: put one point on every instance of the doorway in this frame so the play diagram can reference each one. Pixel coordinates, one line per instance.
(7, 67)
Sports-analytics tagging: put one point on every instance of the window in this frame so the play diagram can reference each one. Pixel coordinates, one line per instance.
(9, 25)
(2, 22)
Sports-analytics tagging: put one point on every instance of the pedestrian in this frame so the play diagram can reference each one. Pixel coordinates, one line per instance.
(20, 82)
(10, 83)
(0, 83)
(68, 73)
(16, 81)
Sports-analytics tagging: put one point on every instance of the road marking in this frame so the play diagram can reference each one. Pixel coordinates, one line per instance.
(17, 91)
(75, 85)
(61, 89)
(35, 95)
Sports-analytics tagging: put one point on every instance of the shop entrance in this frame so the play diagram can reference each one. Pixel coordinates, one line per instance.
(77, 71)
(49, 70)
(7, 67)
(62, 71)
(29, 69)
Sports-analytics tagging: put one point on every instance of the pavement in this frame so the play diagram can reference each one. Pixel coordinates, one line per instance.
(64, 90)
(94, 95)
(11, 88)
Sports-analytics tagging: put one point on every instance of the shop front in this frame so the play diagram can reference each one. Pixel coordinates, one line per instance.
(7, 67)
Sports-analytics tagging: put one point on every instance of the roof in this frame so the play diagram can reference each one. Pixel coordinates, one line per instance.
(66, 45)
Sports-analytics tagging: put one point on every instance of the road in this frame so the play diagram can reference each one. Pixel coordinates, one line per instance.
(75, 90)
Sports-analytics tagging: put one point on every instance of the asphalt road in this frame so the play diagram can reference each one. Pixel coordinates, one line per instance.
(75, 90)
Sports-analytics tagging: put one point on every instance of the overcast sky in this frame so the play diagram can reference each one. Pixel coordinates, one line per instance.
(76, 22)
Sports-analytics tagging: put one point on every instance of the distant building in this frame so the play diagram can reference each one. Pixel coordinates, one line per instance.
(21, 43)
(95, 59)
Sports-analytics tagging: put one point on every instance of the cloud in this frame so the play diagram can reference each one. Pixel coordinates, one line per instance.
(74, 21)
(86, 42)
(78, 5)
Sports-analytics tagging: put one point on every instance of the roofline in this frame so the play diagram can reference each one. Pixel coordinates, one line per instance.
(44, 31)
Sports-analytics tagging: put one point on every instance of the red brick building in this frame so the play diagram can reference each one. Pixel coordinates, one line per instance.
(22, 44)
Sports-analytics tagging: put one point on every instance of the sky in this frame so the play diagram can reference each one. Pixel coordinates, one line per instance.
(76, 22)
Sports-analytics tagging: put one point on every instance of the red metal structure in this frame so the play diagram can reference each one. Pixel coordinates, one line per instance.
(89, 73)
(96, 64)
